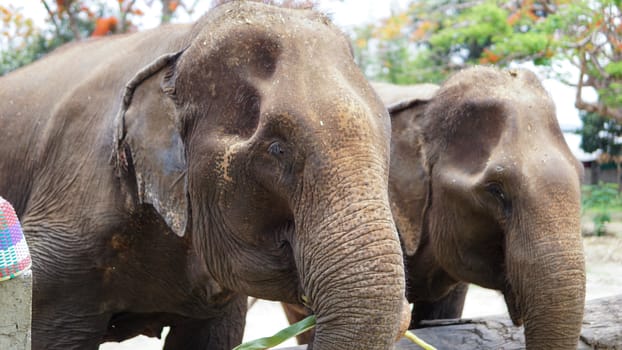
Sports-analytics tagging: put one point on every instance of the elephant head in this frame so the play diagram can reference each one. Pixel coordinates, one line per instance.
(261, 143)
(485, 190)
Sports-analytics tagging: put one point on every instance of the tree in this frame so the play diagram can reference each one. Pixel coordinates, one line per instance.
(17, 36)
(69, 20)
(431, 39)
(600, 133)
(605, 134)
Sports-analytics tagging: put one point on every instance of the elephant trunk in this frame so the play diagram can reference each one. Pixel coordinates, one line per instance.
(546, 273)
(352, 272)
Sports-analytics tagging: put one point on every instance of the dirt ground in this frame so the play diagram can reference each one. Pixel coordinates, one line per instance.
(604, 278)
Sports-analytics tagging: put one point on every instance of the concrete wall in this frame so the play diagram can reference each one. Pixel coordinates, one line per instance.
(15, 309)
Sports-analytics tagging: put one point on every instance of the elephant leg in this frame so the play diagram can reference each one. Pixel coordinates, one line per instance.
(65, 314)
(449, 306)
(222, 332)
(65, 324)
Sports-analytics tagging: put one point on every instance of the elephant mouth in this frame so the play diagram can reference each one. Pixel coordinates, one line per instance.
(512, 303)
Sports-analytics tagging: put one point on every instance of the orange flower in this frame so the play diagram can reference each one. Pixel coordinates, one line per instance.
(489, 57)
(514, 18)
(172, 6)
(104, 26)
(60, 4)
(5, 11)
(422, 30)
(532, 15)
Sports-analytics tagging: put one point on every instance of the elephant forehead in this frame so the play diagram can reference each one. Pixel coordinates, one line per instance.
(332, 104)
(233, 21)
(277, 55)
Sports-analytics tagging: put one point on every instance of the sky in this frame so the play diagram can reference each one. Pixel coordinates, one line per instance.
(350, 13)
(345, 13)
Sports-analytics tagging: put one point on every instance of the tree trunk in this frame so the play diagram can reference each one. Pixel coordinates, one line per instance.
(619, 173)
(602, 329)
(167, 12)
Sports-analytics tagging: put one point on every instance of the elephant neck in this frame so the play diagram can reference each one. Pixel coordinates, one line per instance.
(428, 280)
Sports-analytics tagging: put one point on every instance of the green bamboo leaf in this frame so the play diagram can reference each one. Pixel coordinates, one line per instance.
(415, 339)
(281, 336)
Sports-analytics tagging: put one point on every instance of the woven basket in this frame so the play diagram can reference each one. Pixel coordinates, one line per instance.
(14, 254)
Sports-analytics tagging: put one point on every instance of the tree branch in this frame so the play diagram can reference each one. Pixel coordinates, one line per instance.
(190, 9)
(52, 17)
(72, 21)
(167, 14)
(599, 108)
(598, 66)
(581, 42)
(548, 8)
(123, 15)
(461, 6)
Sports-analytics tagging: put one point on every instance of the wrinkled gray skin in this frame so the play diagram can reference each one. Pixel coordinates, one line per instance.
(484, 190)
(162, 176)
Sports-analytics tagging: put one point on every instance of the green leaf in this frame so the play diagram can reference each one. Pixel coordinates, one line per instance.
(415, 339)
(614, 69)
(289, 332)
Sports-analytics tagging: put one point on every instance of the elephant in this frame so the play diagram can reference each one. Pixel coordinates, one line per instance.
(163, 176)
(485, 190)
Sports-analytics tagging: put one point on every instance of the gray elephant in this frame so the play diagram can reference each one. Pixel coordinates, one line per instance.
(163, 176)
(484, 190)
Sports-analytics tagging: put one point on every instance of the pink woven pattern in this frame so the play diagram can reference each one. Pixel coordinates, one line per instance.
(14, 254)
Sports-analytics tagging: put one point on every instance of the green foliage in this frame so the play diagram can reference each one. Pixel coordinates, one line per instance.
(281, 336)
(611, 95)
(13, 59)
(393, 50)
(34, 48)
(434, 38)
(600, 200)
(25, 46)
(600, 133)
(474, 28)
(614, 69)
(431, 39)
(68, 20)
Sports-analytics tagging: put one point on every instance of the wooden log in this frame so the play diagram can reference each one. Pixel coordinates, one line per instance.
(602, 329)
(602, 323)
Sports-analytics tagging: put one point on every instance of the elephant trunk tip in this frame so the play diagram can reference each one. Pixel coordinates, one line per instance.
(511, 301)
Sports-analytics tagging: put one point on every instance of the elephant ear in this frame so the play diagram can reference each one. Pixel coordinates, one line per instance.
(408, 177)
(148, 148)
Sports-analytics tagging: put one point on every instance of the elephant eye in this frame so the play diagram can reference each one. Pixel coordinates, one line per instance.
(496, 190)
(275, 149)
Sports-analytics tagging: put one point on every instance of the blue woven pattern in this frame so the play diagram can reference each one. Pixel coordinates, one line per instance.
(14, 254)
